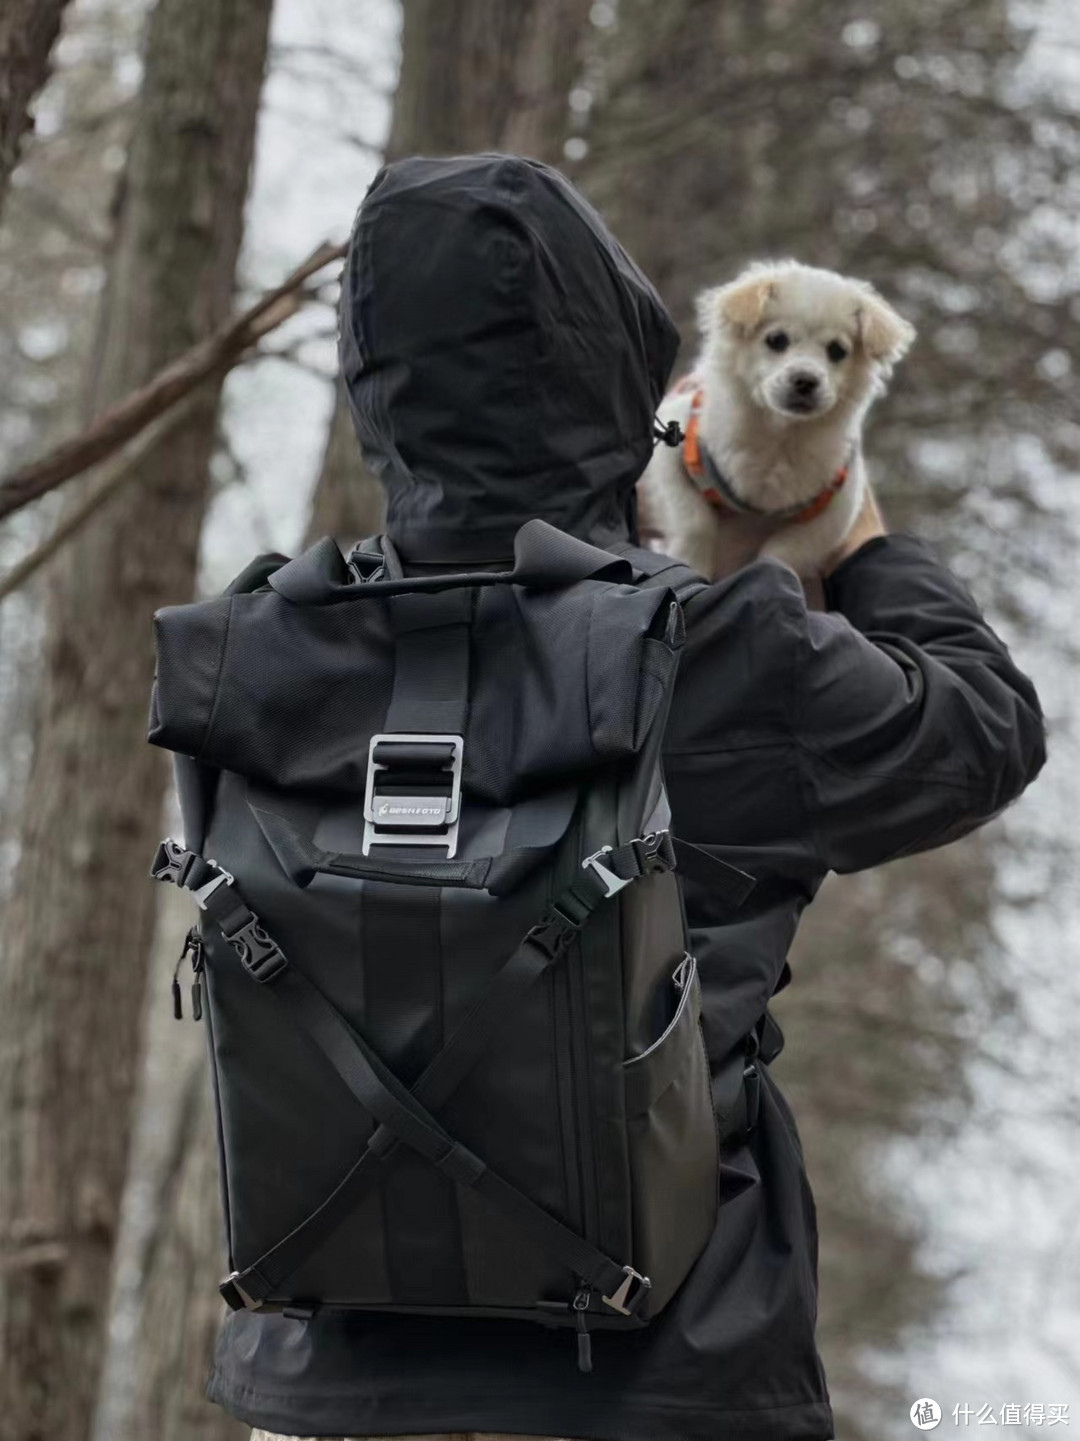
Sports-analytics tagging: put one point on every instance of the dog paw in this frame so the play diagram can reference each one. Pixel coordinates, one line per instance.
(803, 559)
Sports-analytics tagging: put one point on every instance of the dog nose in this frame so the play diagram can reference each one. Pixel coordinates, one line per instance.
(805, 384)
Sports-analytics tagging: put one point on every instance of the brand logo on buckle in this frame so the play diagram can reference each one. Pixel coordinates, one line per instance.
(386, 809)
(413, 791)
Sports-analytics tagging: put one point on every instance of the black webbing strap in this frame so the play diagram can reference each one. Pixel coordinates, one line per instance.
(536, 953)
(434, 1087)
(401, 1113)
(431, 662)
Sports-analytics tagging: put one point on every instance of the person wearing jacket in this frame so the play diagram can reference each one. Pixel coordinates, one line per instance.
(503, 359)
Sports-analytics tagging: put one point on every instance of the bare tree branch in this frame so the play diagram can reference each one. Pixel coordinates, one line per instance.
(125, 465)
(122, 421)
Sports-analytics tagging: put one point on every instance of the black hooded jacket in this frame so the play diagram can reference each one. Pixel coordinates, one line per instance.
(504, 359)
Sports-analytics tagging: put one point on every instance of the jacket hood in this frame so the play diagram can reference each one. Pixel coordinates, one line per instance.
(502, 355)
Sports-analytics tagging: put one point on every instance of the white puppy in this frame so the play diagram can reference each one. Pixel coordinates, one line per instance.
(771, 419)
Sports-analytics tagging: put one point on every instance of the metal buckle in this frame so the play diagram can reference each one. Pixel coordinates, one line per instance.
(618, 1302)
(613, 884)
(250, 1304)
(421, 820)
(223, 878)
(653, 852)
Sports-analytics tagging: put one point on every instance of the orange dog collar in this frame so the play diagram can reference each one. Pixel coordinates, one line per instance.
(705, 474)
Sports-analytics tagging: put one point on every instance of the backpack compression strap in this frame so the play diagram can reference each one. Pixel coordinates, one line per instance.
(403, 1115)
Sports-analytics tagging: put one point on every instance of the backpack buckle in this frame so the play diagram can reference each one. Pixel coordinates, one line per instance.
(172, 862)
(639, 857)
(234, 1295)
(630, 1294)
(613, 884)
(413, 791)
(223, 878)
(554, 931)
(260, 955)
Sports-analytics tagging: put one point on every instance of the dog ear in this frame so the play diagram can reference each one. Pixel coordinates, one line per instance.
(884, 333)
(740, 304)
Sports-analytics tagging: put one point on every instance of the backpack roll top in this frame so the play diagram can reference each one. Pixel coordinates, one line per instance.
(562, 679)
(452, 1020)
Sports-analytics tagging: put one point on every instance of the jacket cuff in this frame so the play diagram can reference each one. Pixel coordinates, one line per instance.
(845, 585)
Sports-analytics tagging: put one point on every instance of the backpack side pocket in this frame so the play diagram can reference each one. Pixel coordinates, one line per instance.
(674, 1155)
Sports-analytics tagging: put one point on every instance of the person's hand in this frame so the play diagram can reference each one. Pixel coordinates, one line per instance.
(868, 523)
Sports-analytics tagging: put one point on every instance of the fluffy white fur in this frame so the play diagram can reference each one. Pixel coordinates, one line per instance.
(779, 423)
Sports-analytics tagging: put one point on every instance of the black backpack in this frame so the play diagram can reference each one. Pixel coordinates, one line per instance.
(453, 1021)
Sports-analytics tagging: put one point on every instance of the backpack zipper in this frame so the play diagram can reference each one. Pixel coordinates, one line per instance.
(193, 947)
(580, 1084)
(580, 1305)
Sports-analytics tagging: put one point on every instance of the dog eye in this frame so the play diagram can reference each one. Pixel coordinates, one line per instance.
(836, 352)
(777, 340)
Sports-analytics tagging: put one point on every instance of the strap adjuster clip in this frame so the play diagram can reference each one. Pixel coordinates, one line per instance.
(223, 878)
(171, 862)
(653, 852)
(259, 953)
(622, 1300)
(613, 884)
(554, 931)
(231, 1288)
(657, 851)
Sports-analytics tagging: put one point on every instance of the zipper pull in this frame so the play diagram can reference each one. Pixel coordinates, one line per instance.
(190, 941)
(198, 954)
(580, 1305)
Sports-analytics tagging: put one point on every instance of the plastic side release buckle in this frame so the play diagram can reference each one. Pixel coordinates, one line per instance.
(172, 862)
(259, 953)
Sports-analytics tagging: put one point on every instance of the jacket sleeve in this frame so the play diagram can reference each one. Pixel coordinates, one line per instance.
(913, 723)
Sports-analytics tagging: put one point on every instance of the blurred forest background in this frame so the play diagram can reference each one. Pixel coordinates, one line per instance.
(187, 155)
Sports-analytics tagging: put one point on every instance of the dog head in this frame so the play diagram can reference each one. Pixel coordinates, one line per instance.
(801, 341)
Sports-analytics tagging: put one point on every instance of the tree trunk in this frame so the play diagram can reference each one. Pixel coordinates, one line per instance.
(165, 1310)
(79, 930)
(28, 31)
(475, 75)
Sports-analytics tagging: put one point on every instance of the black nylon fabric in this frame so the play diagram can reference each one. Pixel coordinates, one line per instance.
(503, 355)
(798, 742)
(236, 678)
